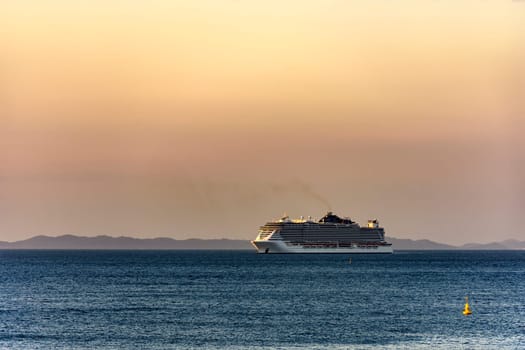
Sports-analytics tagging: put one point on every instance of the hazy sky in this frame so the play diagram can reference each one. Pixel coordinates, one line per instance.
(208, 118)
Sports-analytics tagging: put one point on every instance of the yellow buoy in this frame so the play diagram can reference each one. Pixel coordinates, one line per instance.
(466, 310)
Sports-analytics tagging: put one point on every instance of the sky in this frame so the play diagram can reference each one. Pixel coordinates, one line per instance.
(206, 119)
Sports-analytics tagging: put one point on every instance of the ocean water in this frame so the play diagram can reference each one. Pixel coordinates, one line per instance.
(241, 300)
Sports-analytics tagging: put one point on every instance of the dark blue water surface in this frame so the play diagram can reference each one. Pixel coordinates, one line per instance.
(240, 300)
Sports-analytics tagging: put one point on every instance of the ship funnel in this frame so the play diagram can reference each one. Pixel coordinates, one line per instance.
(373, 223)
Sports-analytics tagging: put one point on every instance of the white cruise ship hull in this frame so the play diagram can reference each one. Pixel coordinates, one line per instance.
(282, 247)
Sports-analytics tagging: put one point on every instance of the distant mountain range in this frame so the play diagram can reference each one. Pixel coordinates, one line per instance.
(422, 244)
(107, 242)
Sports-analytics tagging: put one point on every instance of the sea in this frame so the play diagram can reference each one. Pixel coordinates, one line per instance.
(241, 300)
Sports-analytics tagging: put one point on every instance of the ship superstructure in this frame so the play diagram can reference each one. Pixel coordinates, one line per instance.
(331, 234)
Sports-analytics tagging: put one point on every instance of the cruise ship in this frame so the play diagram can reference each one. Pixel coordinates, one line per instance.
(331, 234)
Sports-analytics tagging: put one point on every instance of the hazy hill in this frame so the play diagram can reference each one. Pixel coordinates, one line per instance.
(107, 242)
(420, 244)
(514, 244)
(507, 244)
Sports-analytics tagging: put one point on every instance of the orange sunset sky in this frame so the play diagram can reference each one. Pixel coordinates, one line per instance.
(205, 119)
